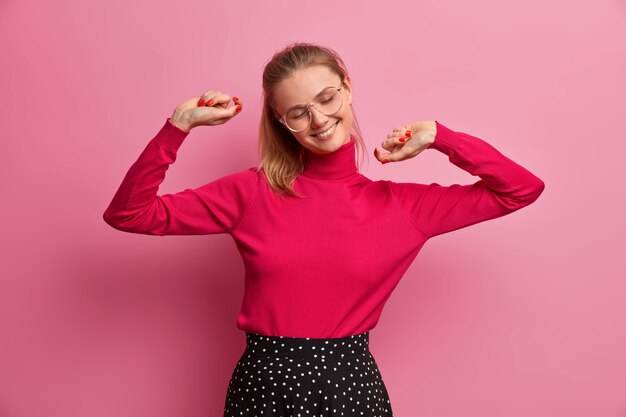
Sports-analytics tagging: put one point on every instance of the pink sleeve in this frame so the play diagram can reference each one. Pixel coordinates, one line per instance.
(503, 187)
(216, 207)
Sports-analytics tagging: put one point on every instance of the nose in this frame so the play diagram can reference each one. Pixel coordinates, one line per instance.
(318, 119)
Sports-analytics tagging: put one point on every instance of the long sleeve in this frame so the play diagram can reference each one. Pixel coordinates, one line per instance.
(216, 207)
(504, 187)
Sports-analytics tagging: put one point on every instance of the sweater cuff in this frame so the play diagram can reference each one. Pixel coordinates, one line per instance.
(171, 136)
(443, 138)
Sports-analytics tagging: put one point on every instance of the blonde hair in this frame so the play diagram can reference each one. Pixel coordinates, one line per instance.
(282, 158)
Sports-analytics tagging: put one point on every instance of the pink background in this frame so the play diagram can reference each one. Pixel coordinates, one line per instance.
(519, 316)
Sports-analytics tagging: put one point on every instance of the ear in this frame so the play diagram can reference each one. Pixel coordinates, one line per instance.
(348, 89)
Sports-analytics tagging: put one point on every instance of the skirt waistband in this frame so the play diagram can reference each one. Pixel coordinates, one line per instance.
(285, 346)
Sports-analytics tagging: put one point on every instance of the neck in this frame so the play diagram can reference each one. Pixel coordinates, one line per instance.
(338, 164)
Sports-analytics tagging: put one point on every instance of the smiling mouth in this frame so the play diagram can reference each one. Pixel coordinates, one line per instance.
(329, 130)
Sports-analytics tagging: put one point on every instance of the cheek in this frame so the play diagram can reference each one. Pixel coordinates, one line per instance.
(300, 137)
(346, 117)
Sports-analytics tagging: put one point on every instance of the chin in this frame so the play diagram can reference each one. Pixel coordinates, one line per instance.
(320, 146)
(329, 146)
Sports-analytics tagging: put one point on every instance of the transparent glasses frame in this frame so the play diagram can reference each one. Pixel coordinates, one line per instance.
(283, 118)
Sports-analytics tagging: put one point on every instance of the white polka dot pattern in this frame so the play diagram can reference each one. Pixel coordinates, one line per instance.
(279, 376)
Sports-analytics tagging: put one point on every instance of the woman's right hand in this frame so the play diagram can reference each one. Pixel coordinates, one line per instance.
(210, 109)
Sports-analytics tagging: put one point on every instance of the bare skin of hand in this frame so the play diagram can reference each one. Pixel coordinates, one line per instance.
(210, 109)
(407, 141)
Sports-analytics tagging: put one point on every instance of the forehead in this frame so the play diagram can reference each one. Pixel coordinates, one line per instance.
(303, 85)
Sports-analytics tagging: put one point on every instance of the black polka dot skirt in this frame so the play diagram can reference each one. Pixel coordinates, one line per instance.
(281, 376)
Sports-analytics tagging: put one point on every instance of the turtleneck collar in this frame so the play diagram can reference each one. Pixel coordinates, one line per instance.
(338, 164)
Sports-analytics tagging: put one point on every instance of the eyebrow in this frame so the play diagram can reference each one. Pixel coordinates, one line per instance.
(316, 96)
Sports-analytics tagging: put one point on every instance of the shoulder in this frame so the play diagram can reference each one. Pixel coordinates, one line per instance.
(251, 174)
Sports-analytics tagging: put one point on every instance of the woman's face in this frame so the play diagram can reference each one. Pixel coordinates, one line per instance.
(302, 88)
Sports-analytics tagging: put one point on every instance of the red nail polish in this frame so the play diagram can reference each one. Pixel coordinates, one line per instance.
(238, 107)
(408, 134)
(201, 103)
(384, 161)
(209, 103)
(235, 99)
(401, 139)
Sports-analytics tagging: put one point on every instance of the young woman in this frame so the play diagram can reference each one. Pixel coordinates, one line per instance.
(323, 246)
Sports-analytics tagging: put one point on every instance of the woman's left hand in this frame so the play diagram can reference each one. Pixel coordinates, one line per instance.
(407, 141)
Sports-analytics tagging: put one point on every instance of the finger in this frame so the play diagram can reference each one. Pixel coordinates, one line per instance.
(214, 98)
(402, 128)
(396, 139)
(377, 155)
(219, 99)
(400, 132)
(391, 147)
(226, 114)
(204, 98)
(397, 155)
(380, 156)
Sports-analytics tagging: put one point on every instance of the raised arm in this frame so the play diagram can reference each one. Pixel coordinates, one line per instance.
(504, 187)
(215, 207)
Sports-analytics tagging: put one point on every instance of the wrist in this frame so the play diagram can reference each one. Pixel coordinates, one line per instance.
(181, 121)
(433, 129)
(426, 130)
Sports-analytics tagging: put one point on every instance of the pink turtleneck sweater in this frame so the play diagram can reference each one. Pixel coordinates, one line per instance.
(323, 266)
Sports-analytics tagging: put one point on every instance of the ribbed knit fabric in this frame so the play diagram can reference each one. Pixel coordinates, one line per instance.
(323, 266)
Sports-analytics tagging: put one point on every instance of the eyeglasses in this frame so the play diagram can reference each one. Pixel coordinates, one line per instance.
(299, 118)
